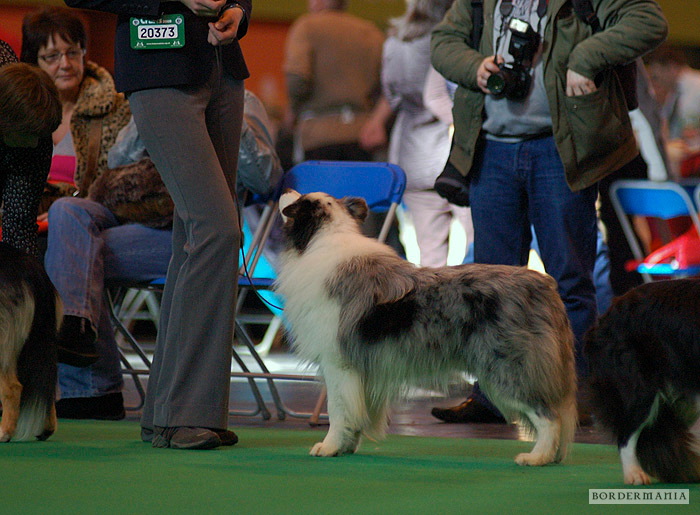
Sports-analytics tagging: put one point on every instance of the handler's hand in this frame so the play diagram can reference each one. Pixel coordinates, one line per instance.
(224, 30)
(577, 84)
(487, 67)
(209, 8)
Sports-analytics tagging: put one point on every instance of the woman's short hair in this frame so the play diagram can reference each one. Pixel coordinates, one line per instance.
(29, 100)
(41, 26)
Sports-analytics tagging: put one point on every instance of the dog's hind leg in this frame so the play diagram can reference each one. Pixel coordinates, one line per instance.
(10, 393)
(569, 421)
(346, 411)
(548, 431)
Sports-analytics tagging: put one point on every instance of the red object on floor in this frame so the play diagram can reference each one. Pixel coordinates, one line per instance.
(684, 251)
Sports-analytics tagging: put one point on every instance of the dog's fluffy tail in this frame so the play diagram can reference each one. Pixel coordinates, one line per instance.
(36, 366)
(667, 448)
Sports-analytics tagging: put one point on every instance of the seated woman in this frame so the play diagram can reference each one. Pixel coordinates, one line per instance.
(29, 112)
(88, 244)
(55, 40)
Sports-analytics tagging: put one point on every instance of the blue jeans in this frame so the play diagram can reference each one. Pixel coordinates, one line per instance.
(516, 185)
(87, 245)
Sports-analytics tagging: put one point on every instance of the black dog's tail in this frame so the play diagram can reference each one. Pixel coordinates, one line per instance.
(666, 448)
(36, 365)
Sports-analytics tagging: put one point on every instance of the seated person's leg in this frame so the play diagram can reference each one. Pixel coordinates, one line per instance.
(136, 252)
(130, 251)
(125, 251)
(74, 264)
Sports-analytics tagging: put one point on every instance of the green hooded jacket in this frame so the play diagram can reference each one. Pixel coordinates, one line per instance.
(592, 132)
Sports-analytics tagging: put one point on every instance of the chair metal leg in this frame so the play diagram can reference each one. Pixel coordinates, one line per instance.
(316, 415)
(262, 409)
(129, 369)
(245, 338)
(114, 301)
(282, 409)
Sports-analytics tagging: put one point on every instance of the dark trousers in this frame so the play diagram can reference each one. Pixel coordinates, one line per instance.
(619, 250)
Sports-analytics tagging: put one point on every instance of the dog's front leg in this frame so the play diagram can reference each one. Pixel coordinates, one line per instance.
(10, 393)
(50, 423)
(346, 411)
(631, 469)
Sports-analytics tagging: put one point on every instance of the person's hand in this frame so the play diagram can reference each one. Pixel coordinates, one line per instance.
(224, 30)
(577, 84)
(487, 67)
(43, 217)
(372, 135)
(208, 8)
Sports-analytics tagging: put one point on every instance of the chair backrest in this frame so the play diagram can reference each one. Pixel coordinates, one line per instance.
(380, 184)
(664, 200)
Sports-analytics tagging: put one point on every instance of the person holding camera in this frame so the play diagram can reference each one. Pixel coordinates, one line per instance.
(540, 117)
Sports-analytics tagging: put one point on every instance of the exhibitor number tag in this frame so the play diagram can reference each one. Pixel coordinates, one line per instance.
(168, 31)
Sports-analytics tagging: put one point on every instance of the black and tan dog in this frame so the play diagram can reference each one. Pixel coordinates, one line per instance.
(30, 317)
(644, 359)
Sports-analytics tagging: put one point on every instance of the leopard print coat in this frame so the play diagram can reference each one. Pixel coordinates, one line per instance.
(98, 98)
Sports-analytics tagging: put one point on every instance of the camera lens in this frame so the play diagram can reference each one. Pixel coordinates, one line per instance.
(496, 83)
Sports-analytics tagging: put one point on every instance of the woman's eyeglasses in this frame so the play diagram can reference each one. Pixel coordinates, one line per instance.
(73, 54)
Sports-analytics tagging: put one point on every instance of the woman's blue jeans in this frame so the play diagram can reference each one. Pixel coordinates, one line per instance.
(87, 245)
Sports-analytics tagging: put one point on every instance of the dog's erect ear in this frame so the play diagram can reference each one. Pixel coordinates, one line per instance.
(357, 207)
(287, 199)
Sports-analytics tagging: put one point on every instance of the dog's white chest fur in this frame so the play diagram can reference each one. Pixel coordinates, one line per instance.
(311, 313)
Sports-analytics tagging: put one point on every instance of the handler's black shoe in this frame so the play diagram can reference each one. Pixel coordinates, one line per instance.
(188, 437)
(470, 411)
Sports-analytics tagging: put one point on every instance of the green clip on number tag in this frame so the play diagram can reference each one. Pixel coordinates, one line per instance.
(168, 31)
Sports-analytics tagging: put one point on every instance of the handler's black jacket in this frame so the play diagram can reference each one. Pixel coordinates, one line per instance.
(191, 65)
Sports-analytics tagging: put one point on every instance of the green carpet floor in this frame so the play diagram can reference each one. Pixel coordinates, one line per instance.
(102, 468)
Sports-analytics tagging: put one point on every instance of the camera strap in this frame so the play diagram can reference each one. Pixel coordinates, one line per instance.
(478, 16)
(477, 22)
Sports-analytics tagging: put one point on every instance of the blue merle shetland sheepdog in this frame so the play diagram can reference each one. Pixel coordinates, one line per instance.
(30, 316)
(644, 359)
(376, 324)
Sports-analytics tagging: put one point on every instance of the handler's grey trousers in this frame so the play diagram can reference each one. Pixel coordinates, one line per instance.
(192, 135)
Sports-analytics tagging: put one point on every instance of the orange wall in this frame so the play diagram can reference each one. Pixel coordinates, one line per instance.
(263, 47)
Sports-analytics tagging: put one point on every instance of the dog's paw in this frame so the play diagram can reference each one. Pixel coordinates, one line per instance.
(4, 437)
(323, 449)
(531, 459)
(44, 435)
(636, 476)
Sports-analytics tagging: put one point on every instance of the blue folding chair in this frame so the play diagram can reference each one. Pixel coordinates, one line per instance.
(381, 184)
(661, 200)
(117, 291)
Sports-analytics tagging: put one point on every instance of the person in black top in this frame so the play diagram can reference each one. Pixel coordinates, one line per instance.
(29, 112)
(182, 69)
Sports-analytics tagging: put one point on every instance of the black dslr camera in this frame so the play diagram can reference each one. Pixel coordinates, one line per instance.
(513, 80)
